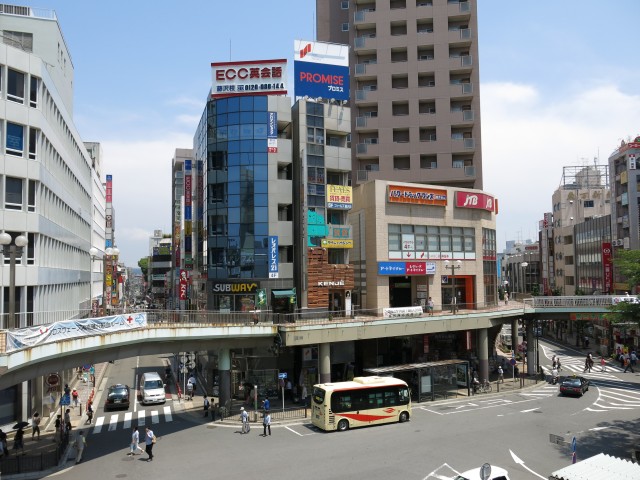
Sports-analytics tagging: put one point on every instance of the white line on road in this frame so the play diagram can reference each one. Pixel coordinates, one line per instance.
(530, 410)
(291, 430)
(167, 413)
(99, 423)
(521, 463)
(113, 422)
(595, 429)
(154, 416)
(127, 419)
(141, 418)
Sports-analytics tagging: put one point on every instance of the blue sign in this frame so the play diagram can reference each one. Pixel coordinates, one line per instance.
(65, 400)
(392, 268)
(282, 375)
(512, 362)
(272, 125)
(273, 257)
(321, 80)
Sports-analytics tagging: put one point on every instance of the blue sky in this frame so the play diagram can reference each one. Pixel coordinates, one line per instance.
(559, 87)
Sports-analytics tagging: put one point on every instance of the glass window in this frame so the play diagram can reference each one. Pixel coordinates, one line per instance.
(395, 242)
(233, 118)
(33, 92)
(13, 193)
(33, 143)
(233, 132)
(345, 27)
(31, 196)
(15, 139)
(246, 131)
(246, 103)
(261, 200)
(260, 117)
(15, 86)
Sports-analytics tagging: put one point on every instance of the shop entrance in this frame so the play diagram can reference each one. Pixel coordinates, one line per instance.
(463, 291)
(399, 292)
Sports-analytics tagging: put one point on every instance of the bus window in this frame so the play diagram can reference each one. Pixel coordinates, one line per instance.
(404, 396)
(318, 395)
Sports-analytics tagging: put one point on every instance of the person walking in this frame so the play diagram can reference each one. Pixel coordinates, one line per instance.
(633, 358)
(603, 364)
(89, 412)
(18, 440)
(149, 440)
(500, 374)
(266, 424)
(206, 405)
(74, 397)
(191, 386)
(430, 306)
(627, 364)
(506, 298)
(35, 425)
(67, 421)
(81, 442)
(244, 417)
(135, 442)
(57, 437)
(266, 404)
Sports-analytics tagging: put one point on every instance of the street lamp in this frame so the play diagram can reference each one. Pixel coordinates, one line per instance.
(453, 267)
(13, 250)
(524, 266)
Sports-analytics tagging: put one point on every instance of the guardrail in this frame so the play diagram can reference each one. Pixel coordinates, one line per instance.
(578, 301)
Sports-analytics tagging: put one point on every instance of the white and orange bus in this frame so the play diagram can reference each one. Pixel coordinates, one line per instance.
(361, 402)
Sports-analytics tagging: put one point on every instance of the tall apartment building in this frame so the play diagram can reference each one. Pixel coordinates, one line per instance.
(415, 97)
(50, 187)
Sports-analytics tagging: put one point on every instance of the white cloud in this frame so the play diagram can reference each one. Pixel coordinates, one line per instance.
(527, 140)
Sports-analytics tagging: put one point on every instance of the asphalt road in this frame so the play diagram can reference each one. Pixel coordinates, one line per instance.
(442, 438)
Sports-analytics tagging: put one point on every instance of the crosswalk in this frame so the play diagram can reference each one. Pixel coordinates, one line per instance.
(615, 399)
(140, 418)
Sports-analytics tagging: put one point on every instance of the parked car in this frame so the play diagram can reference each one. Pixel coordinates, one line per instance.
(497, 473)
(574, 386)
(117, 397)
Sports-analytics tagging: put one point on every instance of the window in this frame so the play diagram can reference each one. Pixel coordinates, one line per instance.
(345, 27)
(33, 143)
(15, 139)
(15, 86)
(588, 203)
(13, 193)
(33, 92)
(31, 196)
(344, 5)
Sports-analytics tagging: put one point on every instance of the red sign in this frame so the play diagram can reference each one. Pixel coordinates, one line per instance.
(415, 268)
(607, 267)
(480, 201)
(183, 285)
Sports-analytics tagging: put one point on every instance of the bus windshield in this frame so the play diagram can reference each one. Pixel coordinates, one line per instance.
(318, 395)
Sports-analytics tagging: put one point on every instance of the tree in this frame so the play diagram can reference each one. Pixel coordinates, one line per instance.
(143, 263)
(627, 263)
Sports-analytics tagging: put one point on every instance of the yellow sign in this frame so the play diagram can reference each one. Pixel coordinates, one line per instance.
(336, 243)
(339, 196)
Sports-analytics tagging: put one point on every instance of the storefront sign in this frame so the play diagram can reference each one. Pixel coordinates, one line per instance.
(321, 70)
(339, 196)
(183, 285)
(273, 257)
(406, 268)
(416, 195)
(331, 283)
(234, 287)
(272, 132)
(607, 267)
(254, 77)
(480, 201)
(336, 243)
(402, 312)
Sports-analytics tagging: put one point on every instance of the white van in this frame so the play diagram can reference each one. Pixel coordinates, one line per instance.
(152, 388)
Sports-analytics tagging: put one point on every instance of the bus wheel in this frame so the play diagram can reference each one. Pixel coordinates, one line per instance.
(343, 425)
(404, 416)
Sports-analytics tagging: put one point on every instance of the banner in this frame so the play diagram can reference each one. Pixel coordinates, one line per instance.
(67, 329)
(607, 267)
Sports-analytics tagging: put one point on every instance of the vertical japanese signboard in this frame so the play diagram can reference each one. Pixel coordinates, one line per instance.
(607, 268)
(272, 132)
(273, 257)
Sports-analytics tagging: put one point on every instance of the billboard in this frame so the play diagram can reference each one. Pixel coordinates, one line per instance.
(272, 132)
(253, 77)
(416, 195)
(481, 201)
(321, 70)
(339, 196)
(274, 258)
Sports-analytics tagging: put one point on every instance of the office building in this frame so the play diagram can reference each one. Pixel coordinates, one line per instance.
(415, 97)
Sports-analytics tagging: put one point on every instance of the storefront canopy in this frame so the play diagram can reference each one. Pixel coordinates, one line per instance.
(283, 293)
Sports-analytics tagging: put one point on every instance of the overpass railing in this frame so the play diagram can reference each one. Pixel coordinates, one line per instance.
(579, 301)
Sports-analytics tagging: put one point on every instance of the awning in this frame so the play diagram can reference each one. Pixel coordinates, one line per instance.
(283, 293)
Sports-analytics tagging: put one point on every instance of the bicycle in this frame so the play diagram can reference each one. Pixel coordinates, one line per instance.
(484, 387)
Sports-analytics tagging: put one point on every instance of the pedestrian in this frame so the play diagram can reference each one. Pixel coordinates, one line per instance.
(559, 365)
(621, 359)
(35, 425)
(18, 440)
(67, 390)
(206, 406)
(74, 397)
(633, 358)
(81, 442)
(192, 382)
(266, 404)
(58, 425)
(150, 441)
(453, 304)
(89, 412)
(3, 443)
(244, 417)
(500, 374)
(266, 424)
(288, 389)
(627, 364)
(430, 305)
(506, 298)
(67, 421)
(135, 442)
(603, 364)
(304, 395)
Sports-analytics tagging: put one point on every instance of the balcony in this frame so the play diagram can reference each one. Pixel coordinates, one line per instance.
(461, 61)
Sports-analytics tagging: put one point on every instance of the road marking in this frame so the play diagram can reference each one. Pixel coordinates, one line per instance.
(113, 422)
(141, 418)
(595, 429)
(99, 423)
(127, 419)
(530, 410)
(291, 430)
(467, 405)
(167, 414)
(154, 416)
(521, 463)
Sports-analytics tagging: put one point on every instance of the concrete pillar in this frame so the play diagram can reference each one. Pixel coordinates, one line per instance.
(483, 353)
(514, 335)
(224, 371)
(531, 348)
(325, 362)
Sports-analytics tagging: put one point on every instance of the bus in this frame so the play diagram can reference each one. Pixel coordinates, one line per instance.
(361, 402)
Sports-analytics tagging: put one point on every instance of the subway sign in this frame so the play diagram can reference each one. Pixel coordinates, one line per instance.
(249, 287)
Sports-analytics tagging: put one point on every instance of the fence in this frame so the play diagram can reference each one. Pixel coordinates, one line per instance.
(11, 465)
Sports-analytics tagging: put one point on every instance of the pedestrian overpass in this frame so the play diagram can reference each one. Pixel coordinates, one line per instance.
(173, 331)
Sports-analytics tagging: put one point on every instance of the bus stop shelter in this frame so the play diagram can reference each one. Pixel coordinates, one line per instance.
(431, 380)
